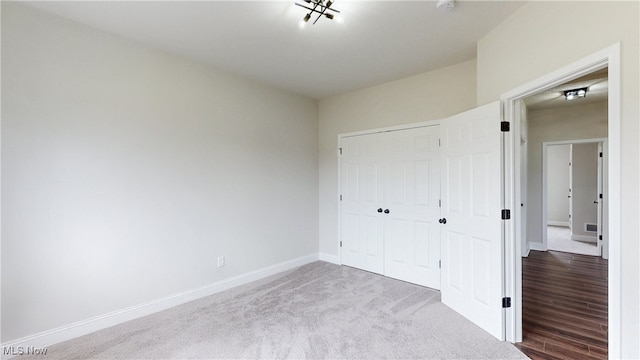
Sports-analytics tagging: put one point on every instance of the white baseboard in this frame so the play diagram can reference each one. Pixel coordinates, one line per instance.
(586, 238)
(558, 223)
(536, 246)
(330, 258)
(84, 327)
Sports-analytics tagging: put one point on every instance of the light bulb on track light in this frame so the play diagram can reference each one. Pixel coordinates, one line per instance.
(318, 8)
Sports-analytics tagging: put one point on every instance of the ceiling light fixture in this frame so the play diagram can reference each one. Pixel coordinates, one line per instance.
(321, 7)
(575, 93)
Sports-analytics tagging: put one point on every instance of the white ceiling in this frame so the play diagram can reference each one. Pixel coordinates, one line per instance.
(379, 41)
(597, 84)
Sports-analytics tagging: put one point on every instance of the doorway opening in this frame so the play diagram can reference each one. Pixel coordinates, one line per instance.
(564, 295)
(574, 174)
(516, 196)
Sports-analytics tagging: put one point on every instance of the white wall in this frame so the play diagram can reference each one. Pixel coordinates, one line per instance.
(530, 44)
(558, 185)
(126, 171)
(95, 156)
(587, 121)
(429, 96)
(584, 169)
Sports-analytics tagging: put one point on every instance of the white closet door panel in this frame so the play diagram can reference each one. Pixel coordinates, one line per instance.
(472, 235)
(361, 183)
(412, 193)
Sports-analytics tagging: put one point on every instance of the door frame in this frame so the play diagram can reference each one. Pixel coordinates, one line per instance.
(545, 145)
(607, 57)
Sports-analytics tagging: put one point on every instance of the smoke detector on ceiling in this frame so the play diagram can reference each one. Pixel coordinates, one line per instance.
(445, 5)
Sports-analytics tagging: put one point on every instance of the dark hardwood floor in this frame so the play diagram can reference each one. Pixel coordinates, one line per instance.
(564, 306)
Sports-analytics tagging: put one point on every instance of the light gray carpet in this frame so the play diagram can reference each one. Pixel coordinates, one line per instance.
(317, 311)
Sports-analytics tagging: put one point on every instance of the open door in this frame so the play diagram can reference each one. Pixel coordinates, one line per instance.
(570, 196)
(472, 261)
(599, 198)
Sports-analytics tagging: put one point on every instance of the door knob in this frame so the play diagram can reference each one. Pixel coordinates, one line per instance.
(379, 210)
(386, 211)
(442, 221)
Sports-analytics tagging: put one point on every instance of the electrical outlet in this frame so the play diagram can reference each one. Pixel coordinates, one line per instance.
(220, 261)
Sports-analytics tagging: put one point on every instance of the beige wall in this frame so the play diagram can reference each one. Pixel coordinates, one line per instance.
(126, 171)
(90, 111)
(532, 43)
(430, 96)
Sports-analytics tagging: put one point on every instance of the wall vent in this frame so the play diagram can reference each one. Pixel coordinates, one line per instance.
(591, 227)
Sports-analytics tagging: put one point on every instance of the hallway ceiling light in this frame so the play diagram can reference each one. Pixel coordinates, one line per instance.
(575, 93)
(321, 7)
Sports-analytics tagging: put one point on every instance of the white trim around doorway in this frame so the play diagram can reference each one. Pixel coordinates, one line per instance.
(607, 57)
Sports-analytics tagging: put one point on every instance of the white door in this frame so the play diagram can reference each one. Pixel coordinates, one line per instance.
(412, 195)
(604, 203)
(472, 248)
(570, 196)
(523, 193)
(599, 198)
(361, 224)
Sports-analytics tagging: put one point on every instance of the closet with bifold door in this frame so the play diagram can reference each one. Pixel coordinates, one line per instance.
(390, 204)
(423, 203)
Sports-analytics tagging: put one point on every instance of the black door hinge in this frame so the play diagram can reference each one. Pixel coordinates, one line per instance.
(600, 237)
(340, 243)
(340, 197)
(506, 214)
(600, 196)
(506, 302)
(600, 153)
(340, 150)
(505, 126)
(439, 264)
